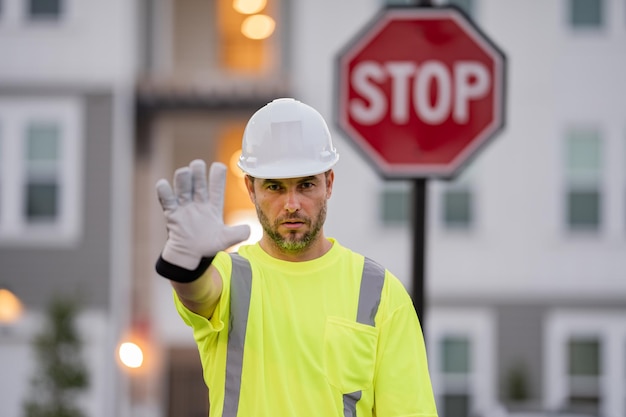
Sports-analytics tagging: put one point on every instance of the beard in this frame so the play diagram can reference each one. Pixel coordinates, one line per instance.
(293, 242)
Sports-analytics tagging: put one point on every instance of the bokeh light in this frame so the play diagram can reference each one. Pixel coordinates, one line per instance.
(10, 307)
(258, 27)
(249, 6)
(131, 355)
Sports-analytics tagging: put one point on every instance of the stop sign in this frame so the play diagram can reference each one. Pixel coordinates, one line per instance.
(420, 90)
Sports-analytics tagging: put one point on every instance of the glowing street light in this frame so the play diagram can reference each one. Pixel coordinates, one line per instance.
(10, 307)
(130, 354)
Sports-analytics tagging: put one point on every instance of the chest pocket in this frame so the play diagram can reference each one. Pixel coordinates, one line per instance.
(349, 354)
(350, 346)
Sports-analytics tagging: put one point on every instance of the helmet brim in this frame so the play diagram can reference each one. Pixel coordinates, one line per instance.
(289, 169)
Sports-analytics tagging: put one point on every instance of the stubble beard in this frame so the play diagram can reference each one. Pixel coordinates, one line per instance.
(294, 242)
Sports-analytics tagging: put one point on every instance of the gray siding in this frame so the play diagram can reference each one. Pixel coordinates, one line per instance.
(35, 274)
(520, 330)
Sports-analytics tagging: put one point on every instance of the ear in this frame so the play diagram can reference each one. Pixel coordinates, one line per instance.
(330, 179)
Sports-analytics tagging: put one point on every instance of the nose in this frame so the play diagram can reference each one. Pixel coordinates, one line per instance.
(292, 203)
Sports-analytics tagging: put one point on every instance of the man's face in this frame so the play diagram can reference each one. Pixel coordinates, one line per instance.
(292, 211)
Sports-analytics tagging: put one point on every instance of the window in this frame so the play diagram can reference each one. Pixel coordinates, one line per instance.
(456, 358)
(240, 50)
(585, 361)
(462, 360)
(42, 182)
(44, 9)
(457, 207)
(584, 374)
(40, 178)
(455, 367)
(457, 203)
(395, 204)
(246, 41)
(585, 13)
(584, 176)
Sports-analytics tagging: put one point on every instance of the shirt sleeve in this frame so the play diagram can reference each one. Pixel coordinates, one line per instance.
(402, 385)
(202, 327)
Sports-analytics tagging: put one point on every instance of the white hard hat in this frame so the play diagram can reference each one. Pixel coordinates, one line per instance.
(286, 139)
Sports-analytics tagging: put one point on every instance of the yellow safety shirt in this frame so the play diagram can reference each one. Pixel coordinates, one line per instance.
(304, 350)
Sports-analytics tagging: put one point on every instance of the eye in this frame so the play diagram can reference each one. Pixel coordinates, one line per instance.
(307, 185)
(273, 187)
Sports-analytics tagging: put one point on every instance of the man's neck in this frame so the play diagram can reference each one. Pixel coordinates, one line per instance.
(317, 249)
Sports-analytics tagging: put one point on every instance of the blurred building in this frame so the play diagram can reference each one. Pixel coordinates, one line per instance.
(66, 142)
(526, 296)
(526, 267)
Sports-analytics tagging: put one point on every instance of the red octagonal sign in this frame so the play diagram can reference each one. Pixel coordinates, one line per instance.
(420, 91)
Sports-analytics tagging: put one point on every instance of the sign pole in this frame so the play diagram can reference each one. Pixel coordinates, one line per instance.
(420, 190)
(419, 208)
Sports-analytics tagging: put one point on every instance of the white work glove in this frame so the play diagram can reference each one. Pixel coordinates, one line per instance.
(194, 215)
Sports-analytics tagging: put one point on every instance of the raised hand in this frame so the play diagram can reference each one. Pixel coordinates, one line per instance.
(194, 215)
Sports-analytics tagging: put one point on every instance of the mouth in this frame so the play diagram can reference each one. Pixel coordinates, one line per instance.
(293, 224)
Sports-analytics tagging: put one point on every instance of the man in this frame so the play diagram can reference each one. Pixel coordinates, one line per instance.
(295, 325)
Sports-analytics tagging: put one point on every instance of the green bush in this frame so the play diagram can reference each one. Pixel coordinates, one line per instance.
(60, 372)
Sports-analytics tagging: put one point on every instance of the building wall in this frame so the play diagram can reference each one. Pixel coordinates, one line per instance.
(94, 43)
(36, 271)
(81, 68)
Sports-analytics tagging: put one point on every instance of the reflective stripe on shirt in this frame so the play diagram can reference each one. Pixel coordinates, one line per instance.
(369, 299)
(240, 290)
(372, 281)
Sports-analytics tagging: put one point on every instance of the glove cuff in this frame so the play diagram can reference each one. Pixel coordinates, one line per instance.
(179, 274)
